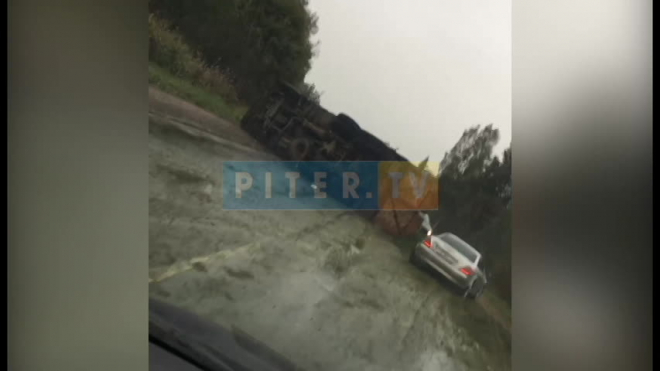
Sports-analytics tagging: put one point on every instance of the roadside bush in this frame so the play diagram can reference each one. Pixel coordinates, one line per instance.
(495, 243)
(256, 41)
(169, 50)
(476, 190)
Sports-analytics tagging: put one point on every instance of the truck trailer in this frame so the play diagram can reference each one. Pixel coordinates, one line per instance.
(296, 128)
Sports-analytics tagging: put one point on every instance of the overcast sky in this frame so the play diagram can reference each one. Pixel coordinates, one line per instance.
(416, 73)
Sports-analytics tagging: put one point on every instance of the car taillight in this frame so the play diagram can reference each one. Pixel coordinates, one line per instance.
(467, 271)
(428, 242)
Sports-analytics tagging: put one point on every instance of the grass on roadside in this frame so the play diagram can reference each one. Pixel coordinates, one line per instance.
(184, 89)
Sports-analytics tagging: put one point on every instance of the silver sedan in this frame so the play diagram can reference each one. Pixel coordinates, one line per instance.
(453, 258)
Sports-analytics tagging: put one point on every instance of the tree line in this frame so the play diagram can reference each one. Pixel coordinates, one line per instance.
(254, 42)
(475, 200)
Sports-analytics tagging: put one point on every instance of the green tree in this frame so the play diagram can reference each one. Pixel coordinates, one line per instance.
(475, 192)
(494, 241)
(256, 42)
(310, 91)
(472, 153)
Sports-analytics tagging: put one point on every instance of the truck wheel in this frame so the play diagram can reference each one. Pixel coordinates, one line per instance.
(321, 155)
(299, 149)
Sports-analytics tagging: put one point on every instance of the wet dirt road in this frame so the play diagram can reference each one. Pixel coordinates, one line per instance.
(325, 288)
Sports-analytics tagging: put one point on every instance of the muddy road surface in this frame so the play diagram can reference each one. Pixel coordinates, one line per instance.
(326, 289)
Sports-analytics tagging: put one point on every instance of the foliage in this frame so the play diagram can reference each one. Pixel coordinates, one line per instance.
(476, 191)
(255, 42)
(494, 242)
(202, 97)
(309, 90)
(169, 50)
(472, 154)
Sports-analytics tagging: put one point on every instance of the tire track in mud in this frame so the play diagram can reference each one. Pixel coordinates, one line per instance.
(423, 305)
(190, 264)
(200, 133)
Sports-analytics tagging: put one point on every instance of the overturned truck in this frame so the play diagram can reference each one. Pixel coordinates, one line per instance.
(297, 129)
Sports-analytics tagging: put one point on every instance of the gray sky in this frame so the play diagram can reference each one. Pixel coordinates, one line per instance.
(416, 73)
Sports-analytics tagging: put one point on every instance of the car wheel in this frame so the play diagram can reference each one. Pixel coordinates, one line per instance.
(476, 289)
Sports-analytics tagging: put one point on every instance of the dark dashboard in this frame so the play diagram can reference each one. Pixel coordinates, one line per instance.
(182, 341)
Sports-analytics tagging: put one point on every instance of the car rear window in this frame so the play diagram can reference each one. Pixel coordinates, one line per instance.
(460, 246)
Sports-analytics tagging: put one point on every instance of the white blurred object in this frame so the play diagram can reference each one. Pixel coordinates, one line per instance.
(426, 222)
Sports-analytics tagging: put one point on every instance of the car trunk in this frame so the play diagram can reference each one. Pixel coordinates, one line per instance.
(451, 255)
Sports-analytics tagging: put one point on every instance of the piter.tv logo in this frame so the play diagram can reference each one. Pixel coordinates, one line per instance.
(361, 185)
